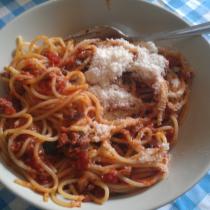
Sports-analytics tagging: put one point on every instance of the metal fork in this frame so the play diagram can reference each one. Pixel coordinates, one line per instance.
(104, 32)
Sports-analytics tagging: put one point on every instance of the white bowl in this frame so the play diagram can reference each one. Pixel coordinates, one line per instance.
(191, 156)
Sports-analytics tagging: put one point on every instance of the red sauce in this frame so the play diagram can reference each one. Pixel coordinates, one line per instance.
(94, 190)
(71, 63)
(169, 135)
(72, 116)
(60, 84)
(42, 177)
(125, 171)
(20, 122)
(173, 61)
(121, 149)
(30, 69)
(79, 57)
(6, 107)
(111, 177)
(45, 84)
(53, 58)
(187, 75)
(16, 146)
(63, 139)
(44, 87)
(82, 161)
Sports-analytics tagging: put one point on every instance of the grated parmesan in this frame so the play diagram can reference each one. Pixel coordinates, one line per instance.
(149, 155)
(108, 64)
(149, 66)
(150, 46)
(165, 146)
(101, 130)
(115, 97)
(152, 155)
(175, 82)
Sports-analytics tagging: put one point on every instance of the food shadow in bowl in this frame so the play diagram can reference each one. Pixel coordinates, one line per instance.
(136, 192)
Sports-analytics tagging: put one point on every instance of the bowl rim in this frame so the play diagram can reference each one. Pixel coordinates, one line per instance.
(152, 4)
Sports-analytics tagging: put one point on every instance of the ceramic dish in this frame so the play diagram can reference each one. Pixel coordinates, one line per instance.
(190, 158)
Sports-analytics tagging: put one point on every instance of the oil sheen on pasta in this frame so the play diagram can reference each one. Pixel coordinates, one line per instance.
(83, 121)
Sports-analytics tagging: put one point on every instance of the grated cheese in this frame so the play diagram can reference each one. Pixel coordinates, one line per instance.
(150, 46)
(108, 64)
(175, 82)
(165, 146)
(115, 97)
(17, 123)
(149, 66)
(101, 130)
(151, 155)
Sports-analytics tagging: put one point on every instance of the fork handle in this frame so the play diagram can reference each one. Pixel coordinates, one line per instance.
(181, 33)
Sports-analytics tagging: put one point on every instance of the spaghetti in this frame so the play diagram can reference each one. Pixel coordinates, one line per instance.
(67, 145)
